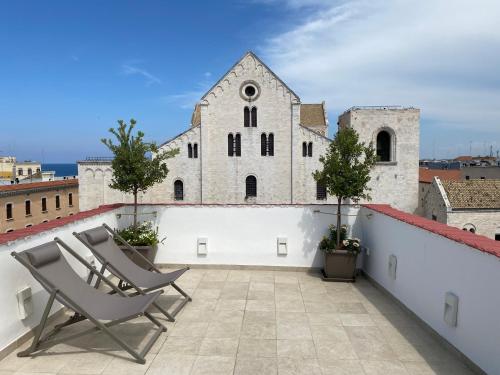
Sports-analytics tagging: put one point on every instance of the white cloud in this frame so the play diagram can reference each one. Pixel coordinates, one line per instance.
(131, 69)
(441, 56)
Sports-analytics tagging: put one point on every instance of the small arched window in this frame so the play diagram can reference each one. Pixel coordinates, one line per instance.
(178, 190)
(254, 117)
(251, 186)
(230, 144)
(246, 117)
(310, 149)
(304, 149)
(270, 144)
(383, 146)
(195, 150)
(237, 146)
(190, 150)
(263, 144)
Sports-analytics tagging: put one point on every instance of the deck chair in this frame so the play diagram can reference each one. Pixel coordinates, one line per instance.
(100, 241)
(50, 268)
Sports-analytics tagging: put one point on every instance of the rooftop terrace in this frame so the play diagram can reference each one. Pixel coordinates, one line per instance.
(257, 312)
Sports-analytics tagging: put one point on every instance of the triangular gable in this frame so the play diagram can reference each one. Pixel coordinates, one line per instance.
(250, 53)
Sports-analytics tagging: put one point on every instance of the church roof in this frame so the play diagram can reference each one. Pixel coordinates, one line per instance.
(312, 115)
(196, 116)
(473, 193)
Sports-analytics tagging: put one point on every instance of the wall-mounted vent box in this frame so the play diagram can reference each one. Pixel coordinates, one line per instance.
(450, 309)
(202, 246)
(393, 264)
(282, 246)
(24, 302)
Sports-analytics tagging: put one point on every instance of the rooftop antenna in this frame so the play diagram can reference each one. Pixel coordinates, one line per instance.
(491, 150)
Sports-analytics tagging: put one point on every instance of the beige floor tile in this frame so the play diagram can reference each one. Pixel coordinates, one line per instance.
(201, 304)
(327, 332)
(260, 317)
(328, 350)
(296, 348)
(332, 319)
(234, 293)
(260, 295)
(126, 367)
(44, 363)
(192, 329)
(231, 304)
(238, 276)
(219, 347)
(181, 345)
(297, 366)
(424, 368)
(287, 316)
(221, 330)
(350, 308)
(373, 349)
(356, 320)
(293, 331)
(384, 368)
(213, 365)
(172, 364)
(192, 315)
(258, 330)
(260, 305)
(228, 316)
(89, 362)
(257, 348)
(320, 306)
(215, 275)
(261, 286)
(211, 285)
(256, 366)
(342, 367)
(291, 305)
(206, 293)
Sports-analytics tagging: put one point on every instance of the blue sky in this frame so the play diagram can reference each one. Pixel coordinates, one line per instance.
(69, 70)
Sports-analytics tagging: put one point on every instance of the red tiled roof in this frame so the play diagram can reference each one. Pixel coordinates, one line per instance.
(426, 175)
(463, 158)
(36, 185)
(35, 229)
(476, 241)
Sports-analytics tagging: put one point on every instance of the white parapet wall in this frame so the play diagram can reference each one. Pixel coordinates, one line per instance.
(15, 277)
(243, 235)
(429, 266)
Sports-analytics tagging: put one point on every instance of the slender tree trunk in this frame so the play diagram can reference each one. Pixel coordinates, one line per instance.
(135, 209)
(339, 225)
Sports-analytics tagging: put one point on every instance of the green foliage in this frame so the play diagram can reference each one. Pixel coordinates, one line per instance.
(133, 170)
(346, 166)
(141, 235)
(328, 244)
(346, 169)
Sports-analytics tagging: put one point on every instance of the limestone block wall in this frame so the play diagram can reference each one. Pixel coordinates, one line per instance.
(222, 113)
(304, 185)
(394, 182)
(485, 222)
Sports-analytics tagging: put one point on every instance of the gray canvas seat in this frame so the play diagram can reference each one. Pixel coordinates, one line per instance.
(100, 241)
(50, 268)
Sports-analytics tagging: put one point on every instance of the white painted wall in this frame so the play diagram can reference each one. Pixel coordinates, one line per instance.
(243, 235)
(16, 277)
(428, 266)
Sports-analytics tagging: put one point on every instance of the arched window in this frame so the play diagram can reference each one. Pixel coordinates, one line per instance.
(190, 150)
(320, 191)
(263, 144)
(270, 144)
(230, 144)
(383, 146)
(254, 117)
(195, 150)
(246, 117)
(251, 186)
(30, 172)
(238, 144)
(304, 149)
(178, 190)
(310, 149)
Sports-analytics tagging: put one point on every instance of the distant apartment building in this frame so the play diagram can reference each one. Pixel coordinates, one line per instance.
(25, 205)
(425, 178)
(472, 205)
(7, 167)
(14, 170)
(481, 173)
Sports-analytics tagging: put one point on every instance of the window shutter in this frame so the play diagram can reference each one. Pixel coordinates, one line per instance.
(270, 144)
(254, 117)
(246, 117)
(238, 144)
(195, 150)
(230, 144)
(263, 144)
(190, 150)
(304, 149)
(310, 149)
(251, 186)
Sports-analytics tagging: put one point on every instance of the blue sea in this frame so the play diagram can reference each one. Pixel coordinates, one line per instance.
(61, 169)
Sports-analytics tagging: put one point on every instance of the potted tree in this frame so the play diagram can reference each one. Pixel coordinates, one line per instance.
(137, 166)
(345, 174)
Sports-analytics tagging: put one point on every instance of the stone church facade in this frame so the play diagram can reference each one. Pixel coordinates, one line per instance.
(252, 141)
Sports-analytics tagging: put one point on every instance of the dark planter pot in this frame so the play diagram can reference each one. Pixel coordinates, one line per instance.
(340, 265)
(149, 252)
